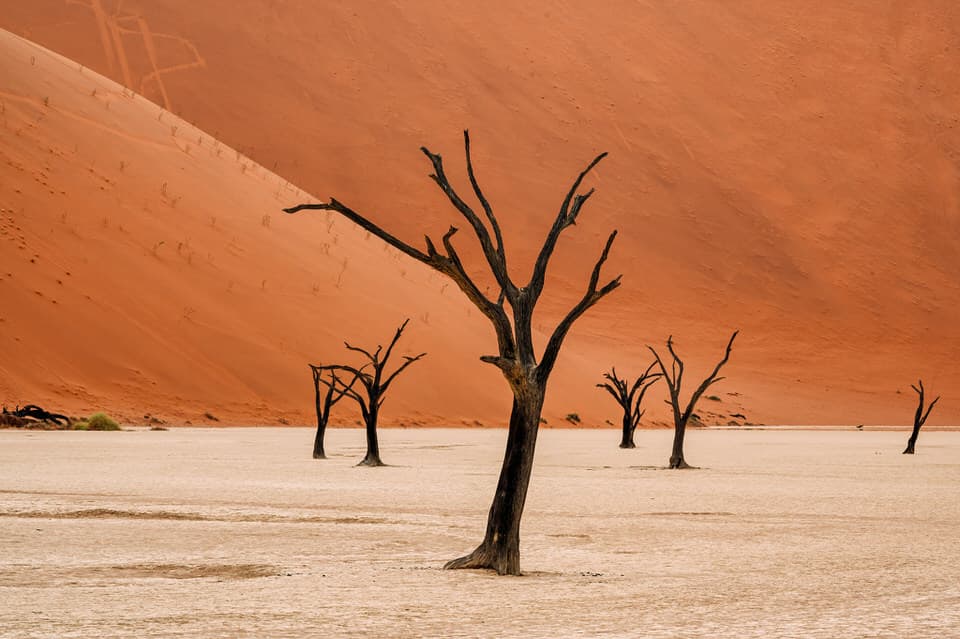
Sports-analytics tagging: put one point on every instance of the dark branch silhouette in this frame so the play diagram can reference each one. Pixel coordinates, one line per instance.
(674, 379)
(374, 385)
(324, 401)
(630, 398)
(516, 358)
(36, 413)
(920, 418)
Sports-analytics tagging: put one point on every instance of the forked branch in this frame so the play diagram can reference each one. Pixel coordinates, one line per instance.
(590, 297)
(565, 218)
(449, 264)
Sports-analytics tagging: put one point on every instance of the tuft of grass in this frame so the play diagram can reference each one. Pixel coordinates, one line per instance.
(713, 398)
(97, 421)
(573, 418)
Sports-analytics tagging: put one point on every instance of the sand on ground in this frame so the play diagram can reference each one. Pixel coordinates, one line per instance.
(238, 533)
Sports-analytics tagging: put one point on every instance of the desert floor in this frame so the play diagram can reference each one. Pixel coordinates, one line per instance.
(238, 533)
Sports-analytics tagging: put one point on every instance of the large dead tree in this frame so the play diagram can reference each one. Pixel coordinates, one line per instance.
(674, 379)
(630, 398)
(375, 385)
(324, 401)
(516, 358)
(920, 418)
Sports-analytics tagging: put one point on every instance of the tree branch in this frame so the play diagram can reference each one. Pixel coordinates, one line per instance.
(492, 254)
(453, 268)
(488, 210)
(364, 223)
(677, 366)
(613, 392)
(565, 218)
(371, 356)
(393, 342)
(410, 360)
(591, 297)
(348, 390)
(929, 408)
(711, 379)
(671, 378)
(332, 397)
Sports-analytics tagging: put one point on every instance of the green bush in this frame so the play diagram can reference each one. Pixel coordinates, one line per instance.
(97, 421)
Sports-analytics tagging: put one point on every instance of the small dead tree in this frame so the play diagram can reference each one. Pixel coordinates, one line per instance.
(920, 418)
(674, 379)
(517, 359)
(324, 401)
(375, 386)
(629, 400)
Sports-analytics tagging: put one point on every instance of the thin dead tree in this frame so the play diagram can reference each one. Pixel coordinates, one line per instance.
(629, 398)
(375, 386)
(674, 379)
(920, 418)
(324, 401)
(516, 358)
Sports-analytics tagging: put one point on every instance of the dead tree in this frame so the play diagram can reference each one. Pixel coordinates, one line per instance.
(629, 400)
(920, 418)
(32, 412)
(516, 357)
(674, 379)
(324, 401)
(375, 386)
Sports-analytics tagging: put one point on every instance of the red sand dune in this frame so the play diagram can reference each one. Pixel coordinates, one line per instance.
(146, 269)
(789, 172)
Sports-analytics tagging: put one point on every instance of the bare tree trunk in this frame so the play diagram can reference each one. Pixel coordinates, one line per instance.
(676, 456)
(912, 442)
(372, 457)
(318, 451)
(628, 429)
(500, 549)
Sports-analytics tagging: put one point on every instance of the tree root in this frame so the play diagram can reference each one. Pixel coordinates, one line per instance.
(371, 462)
(483, 559)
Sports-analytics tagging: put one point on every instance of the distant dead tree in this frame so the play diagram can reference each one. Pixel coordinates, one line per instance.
(34, 412)
(629, 400)
(324, 401)
(517, 358)
(674, 379)
(375, 386)
(920, 418)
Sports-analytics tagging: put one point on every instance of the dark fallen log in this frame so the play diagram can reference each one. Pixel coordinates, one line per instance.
(32, 412)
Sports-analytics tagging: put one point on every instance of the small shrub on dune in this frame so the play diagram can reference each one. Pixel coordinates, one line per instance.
(97, 421)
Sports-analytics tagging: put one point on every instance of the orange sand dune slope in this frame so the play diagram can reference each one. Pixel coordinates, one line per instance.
(792, 172)
(144, 267)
